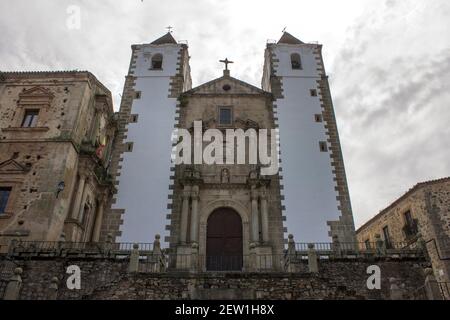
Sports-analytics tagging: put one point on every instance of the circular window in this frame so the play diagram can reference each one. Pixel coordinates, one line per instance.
(226, 87)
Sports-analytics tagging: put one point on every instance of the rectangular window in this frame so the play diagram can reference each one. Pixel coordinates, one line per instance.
(134, 118)
(30, 118)
(313, 92)
(129, 147)
(137, 94)
(318, 117)
(225, 116)
(387, 238)
(408, 218)
(4, 196)
(410, 228)
(323, 146)
(367, 244)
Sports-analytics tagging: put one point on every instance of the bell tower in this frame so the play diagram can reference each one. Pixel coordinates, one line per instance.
(141, 165)
(314, 180)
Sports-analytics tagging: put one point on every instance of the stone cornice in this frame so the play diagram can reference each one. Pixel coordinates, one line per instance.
(27, 129)
(85, 75)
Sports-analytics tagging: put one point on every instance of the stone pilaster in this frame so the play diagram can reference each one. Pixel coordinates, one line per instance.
(79, 195)
(255, 216)
(99, 218)
(264, 217)
(184, 214)
(194, 215)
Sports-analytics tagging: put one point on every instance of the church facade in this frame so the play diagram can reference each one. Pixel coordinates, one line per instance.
(229, 208)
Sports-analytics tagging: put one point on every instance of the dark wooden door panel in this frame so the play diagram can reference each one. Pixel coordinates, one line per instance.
(224, 241)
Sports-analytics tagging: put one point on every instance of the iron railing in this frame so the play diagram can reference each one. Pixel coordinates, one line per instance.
(124, 249)
(67, 247)
(358, 247)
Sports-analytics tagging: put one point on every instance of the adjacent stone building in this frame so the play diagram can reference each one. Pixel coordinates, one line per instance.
(421, 217)
(56, 134)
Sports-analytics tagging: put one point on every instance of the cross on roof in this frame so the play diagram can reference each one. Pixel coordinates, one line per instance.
(169, 28)
(226, 61)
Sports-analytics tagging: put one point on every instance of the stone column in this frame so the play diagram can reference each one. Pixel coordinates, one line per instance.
(313, 265)
(396, 292)
(79, 216)
(336, 246)
(264, 218)
(291, 245)
(194, 215)
(291, 253)
(79, 195)
(157, 254)
(53, 292)
(99, 219)
(255, 216)
(184, 215)
(253, 263)
(134, 259)
(194, 257)
(108, 245)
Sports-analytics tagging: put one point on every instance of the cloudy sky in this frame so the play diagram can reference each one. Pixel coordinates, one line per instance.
(388, 62)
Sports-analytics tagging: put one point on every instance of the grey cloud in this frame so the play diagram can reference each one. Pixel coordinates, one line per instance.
(392, 89)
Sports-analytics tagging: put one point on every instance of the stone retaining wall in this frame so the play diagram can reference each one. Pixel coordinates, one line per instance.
(110, 279)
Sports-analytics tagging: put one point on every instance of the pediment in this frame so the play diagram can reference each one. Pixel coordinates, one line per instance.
(226, 85)
(36, 94)
(12, 166)
(36, 91)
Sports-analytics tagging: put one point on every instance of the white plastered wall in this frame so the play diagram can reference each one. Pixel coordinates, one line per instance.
(309, 186)
(145, 174)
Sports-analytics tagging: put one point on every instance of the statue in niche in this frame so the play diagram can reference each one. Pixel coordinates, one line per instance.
(253, 174)
(225, 176)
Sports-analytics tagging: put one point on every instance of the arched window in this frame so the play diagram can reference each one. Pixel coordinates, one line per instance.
(157, 60)
(296, 61)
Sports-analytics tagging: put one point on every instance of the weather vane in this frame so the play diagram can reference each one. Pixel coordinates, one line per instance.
(169, 28)
(226, 61)
(284, 30)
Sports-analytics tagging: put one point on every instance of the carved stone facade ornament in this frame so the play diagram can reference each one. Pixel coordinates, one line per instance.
(221, 191)
(225, 176)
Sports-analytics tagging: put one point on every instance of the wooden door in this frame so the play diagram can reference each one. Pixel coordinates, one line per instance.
(224, 241)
